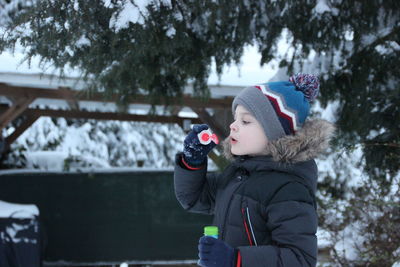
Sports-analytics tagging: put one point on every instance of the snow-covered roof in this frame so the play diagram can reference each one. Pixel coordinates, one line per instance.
(47, 81)
(54, 82)
(40, 80)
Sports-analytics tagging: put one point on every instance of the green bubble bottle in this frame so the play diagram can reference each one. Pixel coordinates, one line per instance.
(211, 231)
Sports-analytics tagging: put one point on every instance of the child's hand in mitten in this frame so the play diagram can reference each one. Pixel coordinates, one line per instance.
(195, 150)
(216, 253)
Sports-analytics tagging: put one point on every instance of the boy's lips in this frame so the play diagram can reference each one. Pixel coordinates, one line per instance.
(233, 140)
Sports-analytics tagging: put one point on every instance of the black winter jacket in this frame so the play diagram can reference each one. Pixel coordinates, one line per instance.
(264, 206)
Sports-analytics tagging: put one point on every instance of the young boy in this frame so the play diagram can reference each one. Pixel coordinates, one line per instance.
(264, 201)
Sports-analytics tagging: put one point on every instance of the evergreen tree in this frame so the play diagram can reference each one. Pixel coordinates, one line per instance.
(123, 45)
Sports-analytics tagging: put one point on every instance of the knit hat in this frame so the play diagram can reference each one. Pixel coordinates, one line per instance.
(280, 107)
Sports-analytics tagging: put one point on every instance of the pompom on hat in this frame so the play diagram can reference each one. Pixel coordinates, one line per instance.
(280, 107)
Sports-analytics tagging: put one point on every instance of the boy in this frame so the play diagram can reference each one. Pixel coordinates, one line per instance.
(264, 201)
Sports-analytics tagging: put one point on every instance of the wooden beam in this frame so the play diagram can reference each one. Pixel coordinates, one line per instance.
(15, 110)
(214, 125)
(175, 110)
(33, 114)
(220, 161)
(107, 116)
(24, 91)
(30, 119)
(71, 98)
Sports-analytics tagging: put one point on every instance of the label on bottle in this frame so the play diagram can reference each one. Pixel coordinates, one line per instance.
(211, 231)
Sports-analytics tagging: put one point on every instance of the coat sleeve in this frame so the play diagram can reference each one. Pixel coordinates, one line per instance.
(195, 189)
(292, 223)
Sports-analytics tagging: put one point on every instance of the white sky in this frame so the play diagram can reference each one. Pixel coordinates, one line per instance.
(248, 73)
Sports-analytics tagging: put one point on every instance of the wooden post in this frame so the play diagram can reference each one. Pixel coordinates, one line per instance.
(215, 126)
(220, 161)
(218, 128)
(15, 110)
(30, 119)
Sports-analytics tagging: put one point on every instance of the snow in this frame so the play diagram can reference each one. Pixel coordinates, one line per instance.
(131, 12)
(349, 35)
(83, 41)
(324, 238)
(329, 113)
(388, 48)
(76, 5)
(322, 7)
(395, 189)
(368, 39)
(171, 32)
(46, 160)
(20, 211)
(6, 7)
(11, 233)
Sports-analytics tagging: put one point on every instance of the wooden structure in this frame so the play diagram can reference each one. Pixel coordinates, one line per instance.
(22, 98)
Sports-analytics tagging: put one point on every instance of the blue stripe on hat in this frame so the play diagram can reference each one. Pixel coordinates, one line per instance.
(294, 100)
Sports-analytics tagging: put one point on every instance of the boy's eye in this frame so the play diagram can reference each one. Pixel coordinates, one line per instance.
(245, 122)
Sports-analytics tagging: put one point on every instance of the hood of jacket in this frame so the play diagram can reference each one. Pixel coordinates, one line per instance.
(292, 154)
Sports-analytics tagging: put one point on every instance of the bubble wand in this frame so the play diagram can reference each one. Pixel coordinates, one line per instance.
(206, 136)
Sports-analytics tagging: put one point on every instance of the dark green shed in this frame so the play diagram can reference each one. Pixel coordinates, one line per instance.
(108, 216)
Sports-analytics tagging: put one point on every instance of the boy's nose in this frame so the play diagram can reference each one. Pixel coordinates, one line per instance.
(233, 126)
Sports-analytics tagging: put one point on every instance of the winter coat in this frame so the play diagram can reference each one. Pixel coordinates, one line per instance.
(264, 206)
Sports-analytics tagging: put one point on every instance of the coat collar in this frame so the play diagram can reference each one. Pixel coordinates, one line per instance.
(306, 170)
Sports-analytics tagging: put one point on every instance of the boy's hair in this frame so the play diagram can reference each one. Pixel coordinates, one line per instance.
(280, 107)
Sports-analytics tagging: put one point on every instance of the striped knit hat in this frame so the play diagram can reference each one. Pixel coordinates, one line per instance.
(280, 107)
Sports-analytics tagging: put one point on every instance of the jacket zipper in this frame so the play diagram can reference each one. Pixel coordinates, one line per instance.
(247, 216)
(246, 228)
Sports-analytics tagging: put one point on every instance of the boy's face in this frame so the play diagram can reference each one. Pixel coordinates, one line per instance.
(247, 136)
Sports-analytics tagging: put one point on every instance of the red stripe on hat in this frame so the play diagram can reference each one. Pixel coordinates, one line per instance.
(278, 109)
(280, 113)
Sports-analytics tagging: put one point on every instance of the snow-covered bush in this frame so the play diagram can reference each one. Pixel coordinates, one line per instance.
(59, 144)
(361, 216)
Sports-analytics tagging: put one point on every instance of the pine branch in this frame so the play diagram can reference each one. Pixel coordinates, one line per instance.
(381, 144)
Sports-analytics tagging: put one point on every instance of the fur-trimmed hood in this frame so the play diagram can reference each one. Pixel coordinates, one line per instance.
(308, 142)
